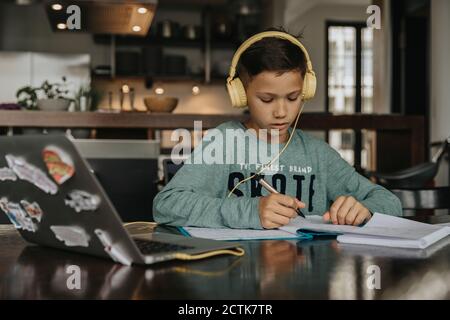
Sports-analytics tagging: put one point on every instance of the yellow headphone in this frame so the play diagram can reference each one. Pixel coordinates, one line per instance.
(234, 84)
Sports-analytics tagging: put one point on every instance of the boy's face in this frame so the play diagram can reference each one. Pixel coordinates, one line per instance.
(274, 101)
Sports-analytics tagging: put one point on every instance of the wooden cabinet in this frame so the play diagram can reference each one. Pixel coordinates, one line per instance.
(185, 41)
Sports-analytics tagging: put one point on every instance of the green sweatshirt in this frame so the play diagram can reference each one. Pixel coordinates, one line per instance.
(309, 169)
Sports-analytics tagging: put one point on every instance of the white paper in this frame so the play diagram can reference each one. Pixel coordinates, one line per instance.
(446, 224)
(381, 230)
(394, 242)
(380, 225)
(391, 252)
(238, 234)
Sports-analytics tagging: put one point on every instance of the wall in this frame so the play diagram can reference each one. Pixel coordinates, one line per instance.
(26, 28)
(25, 32)
(19, 69)
(274, 15)
(440, 73)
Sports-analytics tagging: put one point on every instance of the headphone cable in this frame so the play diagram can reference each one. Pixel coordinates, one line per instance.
(276, 157)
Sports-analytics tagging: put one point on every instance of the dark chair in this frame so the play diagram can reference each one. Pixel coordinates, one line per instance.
(170, 169)
(419, 203)
(415, 177)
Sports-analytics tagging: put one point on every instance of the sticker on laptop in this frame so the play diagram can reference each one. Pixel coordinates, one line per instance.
(82, 201)
(32, 174)
(5, 209)
(17, 215)
(59, 164)
(33, 210)
(113, 250)
(6, 174)
(72, 236)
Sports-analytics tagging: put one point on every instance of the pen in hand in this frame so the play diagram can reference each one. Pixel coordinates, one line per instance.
(271, 189)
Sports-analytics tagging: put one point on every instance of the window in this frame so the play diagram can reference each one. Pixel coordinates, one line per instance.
(350, 87)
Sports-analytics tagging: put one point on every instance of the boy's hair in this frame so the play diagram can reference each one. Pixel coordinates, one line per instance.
(271, 54)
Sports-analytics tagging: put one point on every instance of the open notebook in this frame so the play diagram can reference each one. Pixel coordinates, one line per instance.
(381, 230)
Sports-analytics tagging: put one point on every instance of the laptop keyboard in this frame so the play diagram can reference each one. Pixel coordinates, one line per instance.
(152, 247)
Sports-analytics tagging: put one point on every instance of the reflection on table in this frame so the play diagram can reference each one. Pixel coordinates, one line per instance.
(277, 269)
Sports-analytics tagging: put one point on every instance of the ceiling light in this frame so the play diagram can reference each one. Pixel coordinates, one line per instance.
(61, 26)
(136, 28)
(125, 88)
(195, 90)
(244, 10)
(142, 10)
(56, 6)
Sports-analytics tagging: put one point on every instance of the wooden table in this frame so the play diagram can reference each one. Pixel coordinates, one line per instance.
(322, 269)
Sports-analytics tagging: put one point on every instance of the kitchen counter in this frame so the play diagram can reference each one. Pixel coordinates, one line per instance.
(109, 120)
(403, 138)
(308, 121)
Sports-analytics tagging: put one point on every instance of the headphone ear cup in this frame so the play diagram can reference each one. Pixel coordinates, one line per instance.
(237, 93)
(309, 85)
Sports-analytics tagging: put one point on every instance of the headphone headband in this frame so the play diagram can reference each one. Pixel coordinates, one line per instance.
(235, 87)
(266, 34)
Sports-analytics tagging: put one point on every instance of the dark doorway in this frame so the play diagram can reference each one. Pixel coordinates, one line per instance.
(410, 56)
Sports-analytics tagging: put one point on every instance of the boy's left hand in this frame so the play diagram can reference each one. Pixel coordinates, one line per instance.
(347, 210)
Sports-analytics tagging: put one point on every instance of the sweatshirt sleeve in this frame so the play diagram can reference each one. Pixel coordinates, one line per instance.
(342, 179)
(197, 196)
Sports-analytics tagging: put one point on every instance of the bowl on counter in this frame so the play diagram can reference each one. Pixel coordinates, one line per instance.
(53, 104)
(160, 103)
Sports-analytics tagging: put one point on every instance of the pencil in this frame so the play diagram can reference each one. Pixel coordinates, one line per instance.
(271, 189)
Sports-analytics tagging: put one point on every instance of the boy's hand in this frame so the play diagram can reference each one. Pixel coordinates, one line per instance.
(347, 210)
(276, 210)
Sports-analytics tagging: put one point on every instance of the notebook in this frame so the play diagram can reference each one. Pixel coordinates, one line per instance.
(237, 234)
(389, 252)
(381, 230)
(283, 233)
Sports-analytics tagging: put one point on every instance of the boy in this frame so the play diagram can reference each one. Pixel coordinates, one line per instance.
(274, 78)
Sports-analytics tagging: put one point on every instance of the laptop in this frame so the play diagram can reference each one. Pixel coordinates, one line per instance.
(49, 193)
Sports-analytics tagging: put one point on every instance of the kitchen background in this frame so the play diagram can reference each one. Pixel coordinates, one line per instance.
(186, 53)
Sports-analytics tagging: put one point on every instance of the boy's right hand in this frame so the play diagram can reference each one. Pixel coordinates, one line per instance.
(276, 210)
